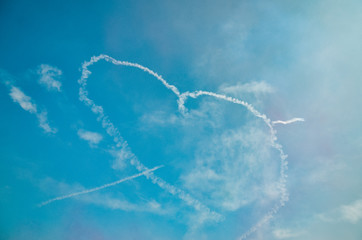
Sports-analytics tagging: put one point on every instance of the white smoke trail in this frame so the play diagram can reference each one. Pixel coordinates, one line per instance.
(100, 187)
(117, 138)
(182, 97)
(288, 121)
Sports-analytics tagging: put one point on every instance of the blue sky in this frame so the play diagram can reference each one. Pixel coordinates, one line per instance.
(221, 174)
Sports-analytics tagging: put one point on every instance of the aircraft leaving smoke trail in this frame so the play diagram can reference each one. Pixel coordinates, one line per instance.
(182, 97)
(100, 187)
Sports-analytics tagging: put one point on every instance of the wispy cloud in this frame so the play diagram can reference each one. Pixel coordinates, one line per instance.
(27, 104)
(24, 101)
(49, 77)
(120, 158)
(43, 122)
(352, 212)
(92, 138)
(285, 233)
(110, 202)
(231, 175)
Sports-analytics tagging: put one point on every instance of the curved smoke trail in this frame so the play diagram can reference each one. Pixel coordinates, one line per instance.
(182, 97)
(120, 142)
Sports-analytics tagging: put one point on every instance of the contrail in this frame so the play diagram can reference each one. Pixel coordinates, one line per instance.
(182, 97)
(100, 187)
(288, 121)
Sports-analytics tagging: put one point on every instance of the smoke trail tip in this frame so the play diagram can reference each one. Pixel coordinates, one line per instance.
(155, 168)
(293, 120)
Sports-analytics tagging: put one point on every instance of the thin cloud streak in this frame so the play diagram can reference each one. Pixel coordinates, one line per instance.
(100, 187)
(43, 122)
(28, 105)
(23, 100)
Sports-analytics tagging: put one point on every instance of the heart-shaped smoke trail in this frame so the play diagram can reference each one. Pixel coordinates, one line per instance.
(112, 131)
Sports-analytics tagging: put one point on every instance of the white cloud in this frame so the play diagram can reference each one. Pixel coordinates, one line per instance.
(158, 118)
(285, 233)
(348, 213)
(91, 137)
(48, 76)
(43, 122)
(26, 103)
(352, 212)
(234, 169)
(120, 158)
